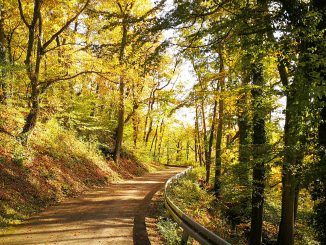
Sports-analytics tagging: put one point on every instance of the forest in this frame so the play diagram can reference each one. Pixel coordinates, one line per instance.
(234, 88)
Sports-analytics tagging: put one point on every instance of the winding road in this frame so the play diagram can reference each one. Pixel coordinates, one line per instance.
(111, 215)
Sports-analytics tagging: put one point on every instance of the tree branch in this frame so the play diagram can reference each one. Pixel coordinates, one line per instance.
(2, 130)
(46, 44)
(46, 84)
(22, 14)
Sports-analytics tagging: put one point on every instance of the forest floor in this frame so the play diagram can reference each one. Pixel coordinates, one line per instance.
(113, 214)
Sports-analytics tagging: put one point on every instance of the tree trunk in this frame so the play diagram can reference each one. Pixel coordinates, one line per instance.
(259, 141)
(119, 131)
(206, 146)
(179, 148)
(31, 118)
(148, 116)
(168, 153)
(198, 141)
(219, 133)
(286, 228)
(154, 138)
(135, 125)
(121, 108)
(150, 128)
(243, 124)
(3, 59)
(187, 150)
(211, 133)
(161, 140)
(33, 75)
(320, 183)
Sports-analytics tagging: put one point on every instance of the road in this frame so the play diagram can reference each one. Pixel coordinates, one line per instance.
(110, 215)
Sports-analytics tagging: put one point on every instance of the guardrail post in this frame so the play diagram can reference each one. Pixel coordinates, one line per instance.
(184, 238)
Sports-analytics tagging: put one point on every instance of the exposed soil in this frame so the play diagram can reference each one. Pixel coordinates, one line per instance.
(110, 215)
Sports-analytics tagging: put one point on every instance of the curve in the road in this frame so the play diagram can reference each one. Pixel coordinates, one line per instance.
(111, 215)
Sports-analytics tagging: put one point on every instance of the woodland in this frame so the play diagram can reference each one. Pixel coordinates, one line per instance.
(235, 88)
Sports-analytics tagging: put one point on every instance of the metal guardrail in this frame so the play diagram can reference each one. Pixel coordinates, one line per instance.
(190, 227)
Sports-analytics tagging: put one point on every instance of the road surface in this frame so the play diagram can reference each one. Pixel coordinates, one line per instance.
(110, 215)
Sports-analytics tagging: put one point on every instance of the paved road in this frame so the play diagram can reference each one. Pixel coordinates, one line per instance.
(111, 215)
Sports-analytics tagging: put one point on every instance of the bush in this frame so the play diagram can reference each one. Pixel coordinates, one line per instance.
(169, 230)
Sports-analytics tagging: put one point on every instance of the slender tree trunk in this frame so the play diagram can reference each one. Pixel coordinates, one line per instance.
(198, 153)
(179, 148)
(219, 133)
(119, 131)
(121, 108)
(168, 152)
(211, 133)
(161, 140)
(150, 128)
(196, 147)
(135, 125)
(3, 59)
(206, 144)
(154, 138)
(149, 109)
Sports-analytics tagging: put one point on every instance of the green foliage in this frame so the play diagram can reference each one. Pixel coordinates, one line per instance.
(19, 155)
(169, 230)
(191, 196)
(63, 144)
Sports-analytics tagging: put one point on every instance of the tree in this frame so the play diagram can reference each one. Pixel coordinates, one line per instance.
(135, 21)
(38, 45)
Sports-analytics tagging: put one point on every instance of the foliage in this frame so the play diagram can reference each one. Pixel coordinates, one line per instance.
(169, 230)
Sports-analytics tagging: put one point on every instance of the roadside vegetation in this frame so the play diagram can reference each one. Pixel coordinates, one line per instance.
(55, 165)
(225, 217)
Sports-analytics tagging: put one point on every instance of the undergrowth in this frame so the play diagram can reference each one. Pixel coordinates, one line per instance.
(56, 163)
(221, 215)
(200, 204)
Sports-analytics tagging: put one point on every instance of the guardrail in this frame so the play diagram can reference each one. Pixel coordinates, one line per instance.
(190, 227)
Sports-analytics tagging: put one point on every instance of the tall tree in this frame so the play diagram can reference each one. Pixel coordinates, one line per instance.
(259, 142)
(3, 58)
(219, 133)
(38, 46)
